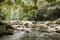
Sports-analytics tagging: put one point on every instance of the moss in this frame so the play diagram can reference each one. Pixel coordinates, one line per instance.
(2, 29)
(9, 31)
(9, 27)
(3, 23)
(41, 26)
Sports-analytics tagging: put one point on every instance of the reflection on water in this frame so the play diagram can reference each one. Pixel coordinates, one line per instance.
(35, 35)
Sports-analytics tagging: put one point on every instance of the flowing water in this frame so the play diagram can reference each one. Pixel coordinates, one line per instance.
(32, 35)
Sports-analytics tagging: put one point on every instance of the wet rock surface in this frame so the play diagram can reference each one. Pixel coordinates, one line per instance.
(31, 35)
(34, 31)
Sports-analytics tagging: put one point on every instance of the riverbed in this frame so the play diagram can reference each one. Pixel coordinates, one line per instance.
(32, 35)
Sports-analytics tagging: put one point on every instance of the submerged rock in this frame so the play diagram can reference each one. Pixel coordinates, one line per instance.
(57, 31)
(27, 31)
(9, 31)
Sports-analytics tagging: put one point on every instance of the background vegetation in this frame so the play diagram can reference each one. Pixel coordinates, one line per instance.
(37, 10)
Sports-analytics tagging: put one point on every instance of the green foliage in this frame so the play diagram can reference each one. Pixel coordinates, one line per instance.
(36, 9)
(35, 1)
(1, 1)
(2, 29)
(49, 11)
(51, 0)
(25, 19)
(25, 9)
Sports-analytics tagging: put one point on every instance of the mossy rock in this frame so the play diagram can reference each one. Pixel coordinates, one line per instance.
(40, 27)
(2, 23)
(2, 29)
(10, 31)
(9, 27)
(5, 27)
